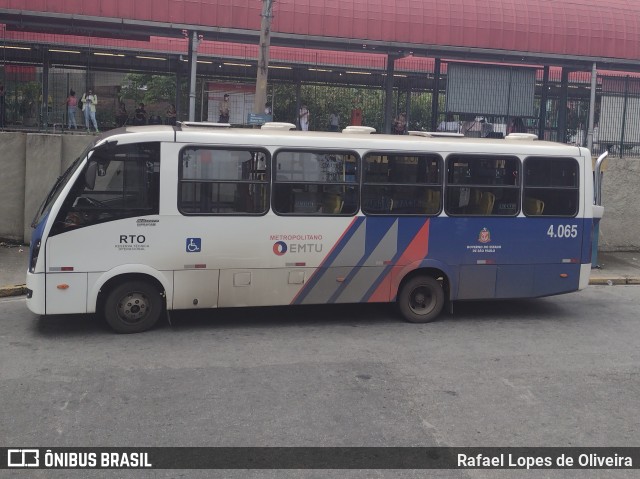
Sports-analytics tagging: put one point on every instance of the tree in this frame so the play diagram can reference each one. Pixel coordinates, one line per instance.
(148, 88)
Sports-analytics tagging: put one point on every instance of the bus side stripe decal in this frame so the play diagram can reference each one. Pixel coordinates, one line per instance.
(417, 250)
(381, 239)
(331, 256)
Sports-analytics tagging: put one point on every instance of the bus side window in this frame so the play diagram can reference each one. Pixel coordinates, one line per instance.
(483, 185)
(228, 181)
(402, 184)
(551, 187)
(315, 182)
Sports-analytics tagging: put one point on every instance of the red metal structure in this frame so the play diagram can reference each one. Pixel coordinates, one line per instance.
(584, 28)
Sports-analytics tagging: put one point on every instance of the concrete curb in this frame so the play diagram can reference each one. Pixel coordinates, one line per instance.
(20, 289)
(614, 280)
(15, 290)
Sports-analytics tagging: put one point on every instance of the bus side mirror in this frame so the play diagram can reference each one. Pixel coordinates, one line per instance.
(90, 175)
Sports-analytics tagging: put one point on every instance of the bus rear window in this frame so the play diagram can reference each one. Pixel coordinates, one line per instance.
(551, 187)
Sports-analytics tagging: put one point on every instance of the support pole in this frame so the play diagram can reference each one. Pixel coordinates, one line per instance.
(298, 99)
(260, 98)
(562, 106)
(178, 99)
(388, 96)
(407, 105)
(44, 106)
(542, 121)
(435, 96)
(624, 114)
(194, 41)
(592, 106)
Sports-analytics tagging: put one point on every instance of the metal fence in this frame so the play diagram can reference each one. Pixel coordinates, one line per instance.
(355, 96)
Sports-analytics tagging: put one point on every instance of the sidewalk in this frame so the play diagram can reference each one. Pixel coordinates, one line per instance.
(615, 268)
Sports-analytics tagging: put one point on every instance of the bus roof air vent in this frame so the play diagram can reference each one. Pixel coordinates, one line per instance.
(203, 124)
(367, 130)
(276, 125)
(435, 134)
(521, 136)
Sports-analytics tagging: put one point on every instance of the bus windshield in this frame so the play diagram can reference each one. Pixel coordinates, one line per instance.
(57, 188)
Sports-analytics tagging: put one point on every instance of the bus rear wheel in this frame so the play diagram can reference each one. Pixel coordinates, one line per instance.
(421, 299)
(133, 307)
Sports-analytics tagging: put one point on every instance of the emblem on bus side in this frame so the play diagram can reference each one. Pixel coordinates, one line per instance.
(485, 236)
(194, 245)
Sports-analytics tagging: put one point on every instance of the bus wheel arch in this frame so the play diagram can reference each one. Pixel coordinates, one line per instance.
(131, 303)
(422, 295)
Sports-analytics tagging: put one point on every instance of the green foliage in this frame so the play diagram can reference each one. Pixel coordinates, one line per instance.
(148, 88)
(322, 100)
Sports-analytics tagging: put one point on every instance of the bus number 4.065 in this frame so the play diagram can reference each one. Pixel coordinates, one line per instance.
(562, 231)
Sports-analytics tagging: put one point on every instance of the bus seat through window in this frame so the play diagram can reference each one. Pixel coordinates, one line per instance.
(332, 203)
(533, 206)
(485, 201)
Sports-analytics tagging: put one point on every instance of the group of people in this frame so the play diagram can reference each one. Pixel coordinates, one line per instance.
(87, 104)
(89, 101)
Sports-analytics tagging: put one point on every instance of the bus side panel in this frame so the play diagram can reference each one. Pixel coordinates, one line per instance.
(195, 289)
(477, 281)
(588, 229)
(515, 281)
(261, 287)
(66, 293)
(513, 257)
(550, 279)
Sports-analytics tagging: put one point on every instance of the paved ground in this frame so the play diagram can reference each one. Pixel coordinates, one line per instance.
(559, 371)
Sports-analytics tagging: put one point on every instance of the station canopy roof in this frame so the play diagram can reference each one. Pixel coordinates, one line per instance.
(554, 32)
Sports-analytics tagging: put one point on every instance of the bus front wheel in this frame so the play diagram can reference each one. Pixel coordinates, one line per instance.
(133, 307)
(421, 299)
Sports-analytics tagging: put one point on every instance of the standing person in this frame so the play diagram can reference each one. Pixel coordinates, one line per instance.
(224, 109)
(334, 121)
(303, 118)
(123, 116)
(140, 117)
(2, 109)
(89, 102)
(171, 115)
(516, 126)
(356, 113)
(72, 107)
(400, 124)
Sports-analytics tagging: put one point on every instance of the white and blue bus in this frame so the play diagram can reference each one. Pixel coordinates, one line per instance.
(152, 219)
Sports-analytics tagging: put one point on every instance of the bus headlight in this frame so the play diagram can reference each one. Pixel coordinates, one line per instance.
(35, 251)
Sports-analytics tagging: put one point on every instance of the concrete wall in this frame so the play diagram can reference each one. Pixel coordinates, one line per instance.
(32, 162)
(12, 163)
(620, 226)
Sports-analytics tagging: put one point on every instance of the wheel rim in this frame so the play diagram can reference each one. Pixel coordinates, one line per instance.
(421, 300)
(133, 307)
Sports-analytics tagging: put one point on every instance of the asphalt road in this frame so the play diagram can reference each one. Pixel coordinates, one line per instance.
(560, 371)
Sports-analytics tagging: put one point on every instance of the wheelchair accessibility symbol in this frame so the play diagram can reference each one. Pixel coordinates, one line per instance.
(194, 245)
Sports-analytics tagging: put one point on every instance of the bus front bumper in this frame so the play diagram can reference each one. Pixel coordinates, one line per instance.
(35, 293)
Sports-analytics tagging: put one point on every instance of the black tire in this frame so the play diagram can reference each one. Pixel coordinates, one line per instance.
(133, 307)
(421, 299)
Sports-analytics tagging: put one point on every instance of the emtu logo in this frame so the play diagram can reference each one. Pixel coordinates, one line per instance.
(280, 248)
